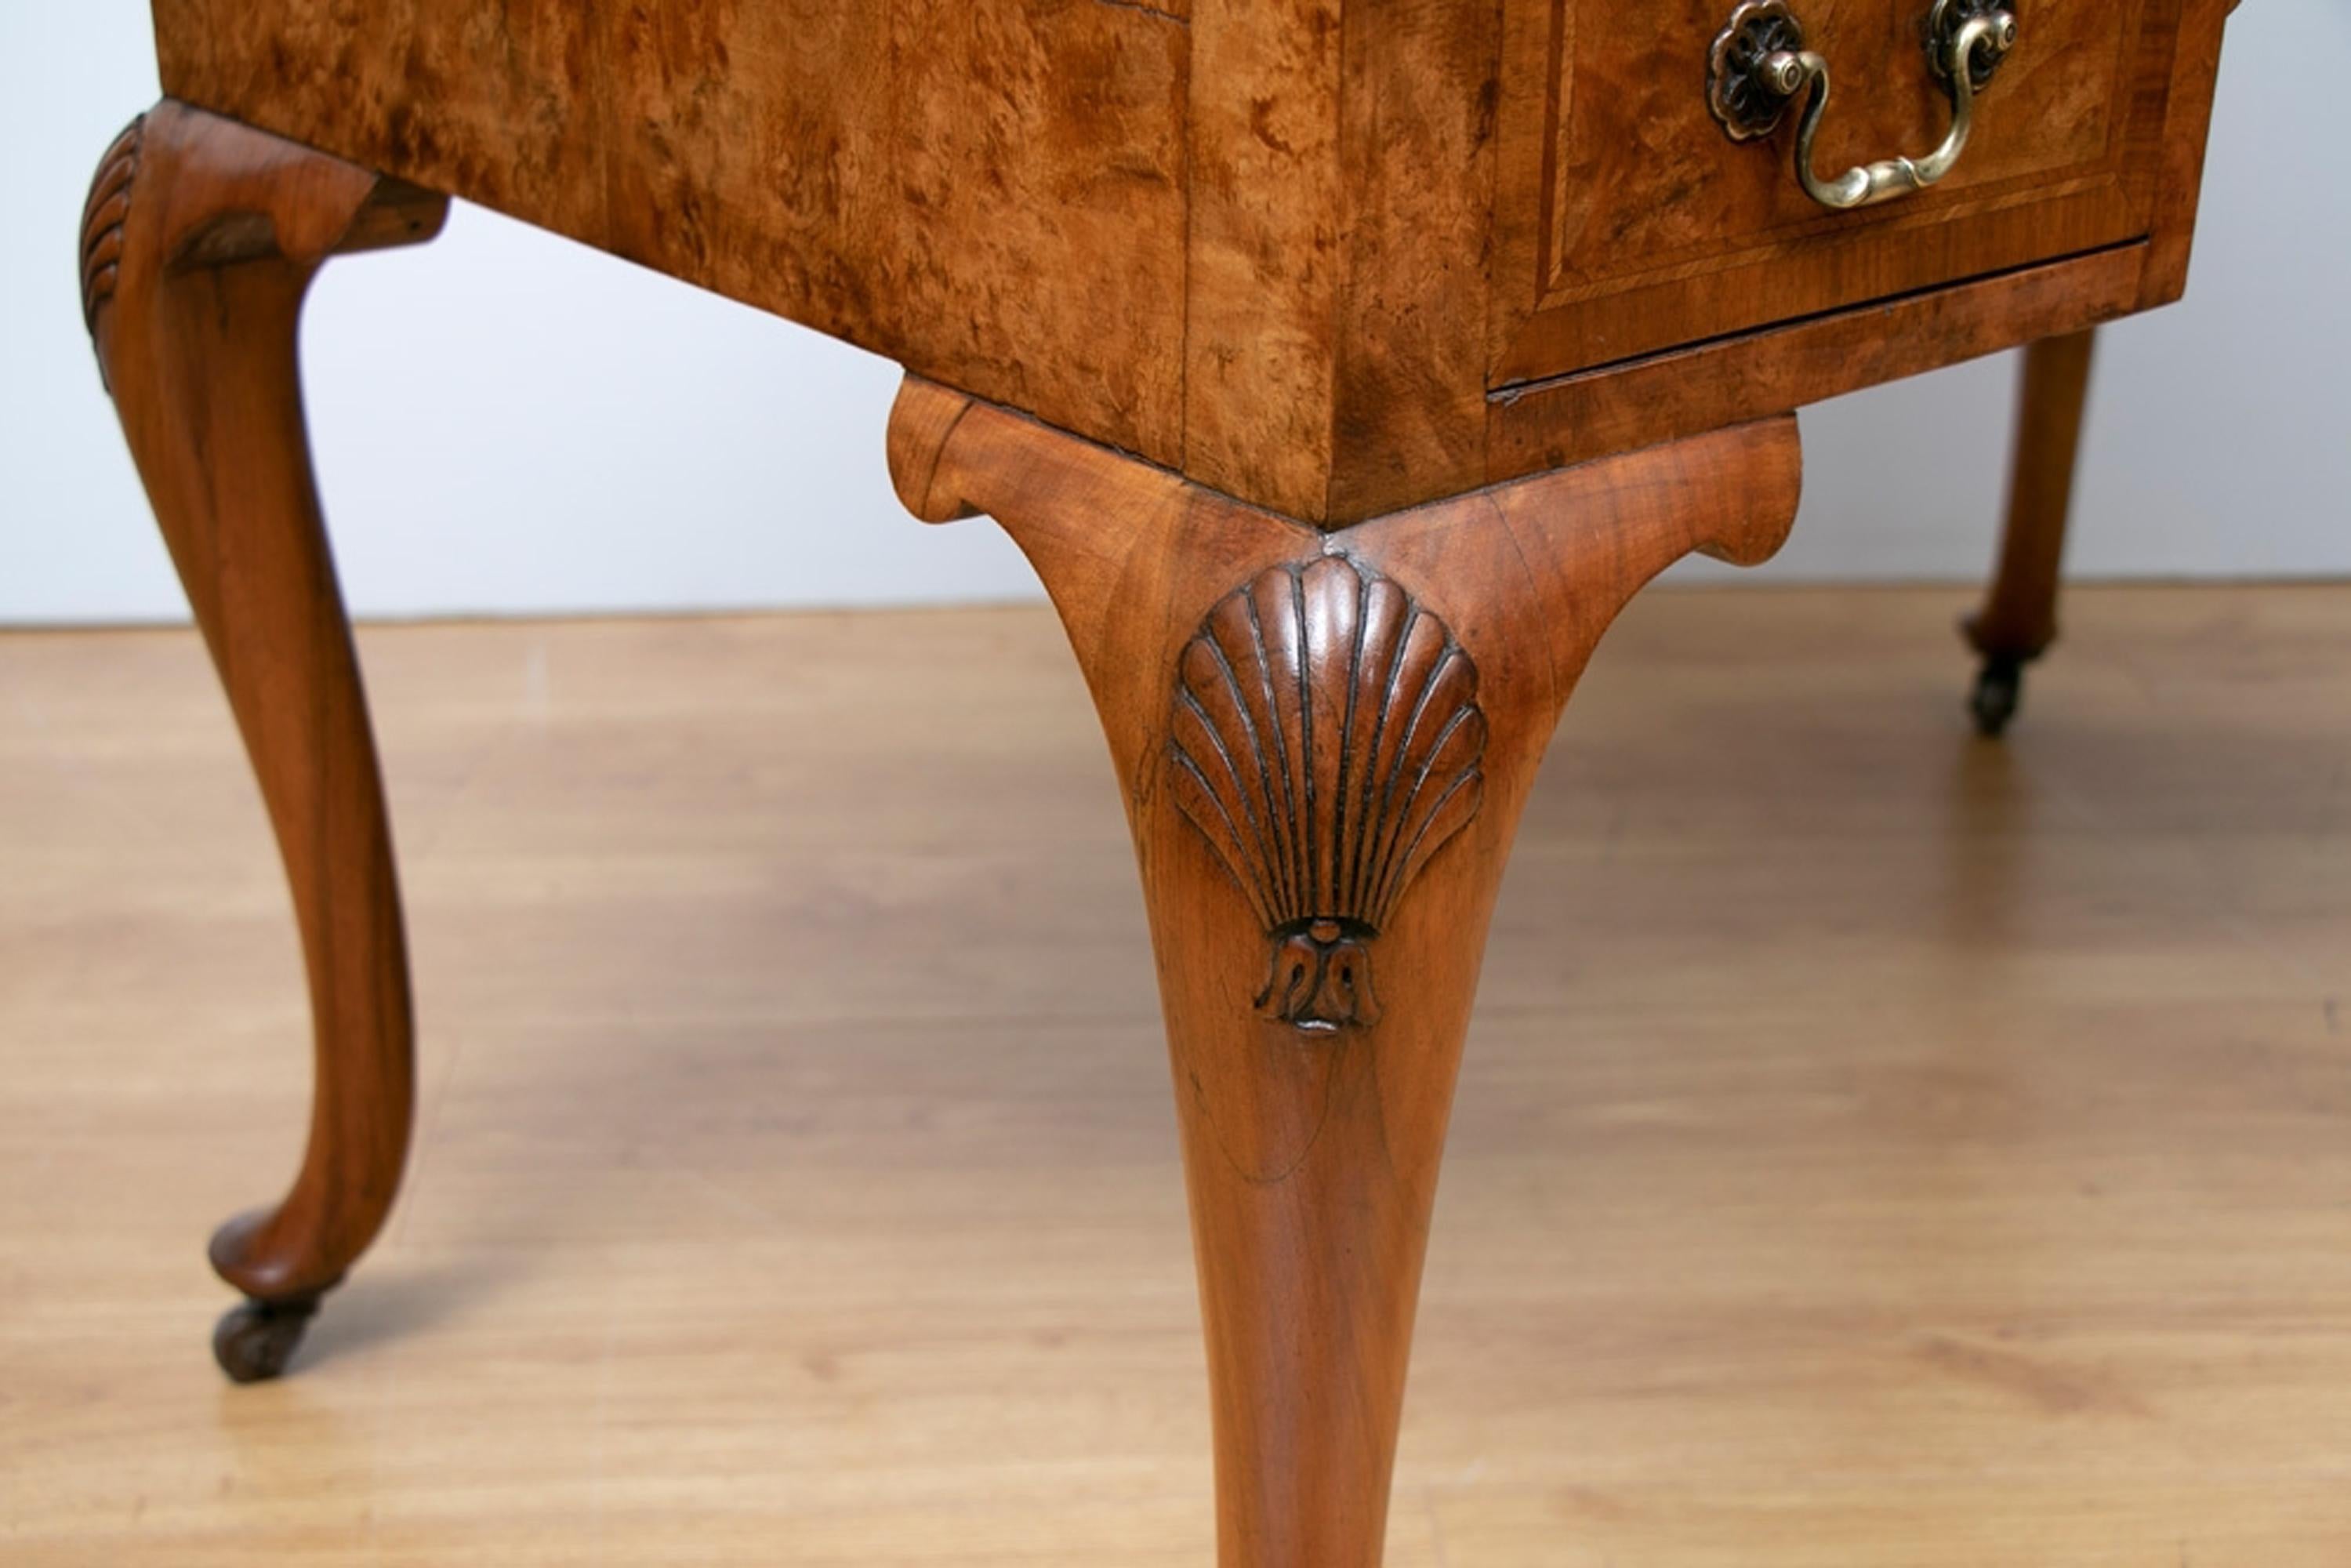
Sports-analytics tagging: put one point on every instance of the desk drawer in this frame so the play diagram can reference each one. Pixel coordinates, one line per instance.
(1628, 221)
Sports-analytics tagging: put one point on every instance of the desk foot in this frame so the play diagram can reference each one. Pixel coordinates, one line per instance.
(1324, 741)
(253, 1342)
(1999, 689)
(198, 244)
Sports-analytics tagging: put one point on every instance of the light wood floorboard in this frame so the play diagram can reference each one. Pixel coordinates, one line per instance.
(1877, 1148)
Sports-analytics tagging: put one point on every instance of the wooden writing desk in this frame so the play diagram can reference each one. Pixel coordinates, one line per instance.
(1343, 366)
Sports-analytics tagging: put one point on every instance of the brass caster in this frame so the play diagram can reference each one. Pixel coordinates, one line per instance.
(2000, 687)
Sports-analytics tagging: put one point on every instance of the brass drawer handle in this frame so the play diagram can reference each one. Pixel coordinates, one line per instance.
(1760, 64)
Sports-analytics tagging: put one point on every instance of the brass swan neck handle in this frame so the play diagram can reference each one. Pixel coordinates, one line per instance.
(1760, 64)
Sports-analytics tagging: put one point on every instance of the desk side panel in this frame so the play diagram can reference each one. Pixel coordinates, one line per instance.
(990, 191)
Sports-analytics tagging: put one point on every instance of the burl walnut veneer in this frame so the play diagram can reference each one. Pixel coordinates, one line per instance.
(1343, 366)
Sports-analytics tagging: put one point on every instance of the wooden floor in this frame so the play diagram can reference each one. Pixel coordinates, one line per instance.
(1877, 1148)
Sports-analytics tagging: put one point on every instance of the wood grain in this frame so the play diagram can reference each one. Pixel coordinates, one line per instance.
(200, 241)
(1629, 224)
(1267, 249)
(1313, 1097)
(2018, 620)
(1575, 418)
(1333, 257)
(1874, 1149)
(2172, 228)
(1418, 93)
(990, 191)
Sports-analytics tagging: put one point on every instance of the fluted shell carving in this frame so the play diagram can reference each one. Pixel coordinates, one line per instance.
(1326, 739)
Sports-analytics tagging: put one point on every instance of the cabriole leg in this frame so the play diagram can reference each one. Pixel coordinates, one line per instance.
(2019, 618)
(199, 241)
(1324, 741)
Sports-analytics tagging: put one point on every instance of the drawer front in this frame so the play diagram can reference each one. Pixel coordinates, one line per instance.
(1627, 222)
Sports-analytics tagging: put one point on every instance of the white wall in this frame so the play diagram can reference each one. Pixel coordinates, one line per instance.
(507, 423)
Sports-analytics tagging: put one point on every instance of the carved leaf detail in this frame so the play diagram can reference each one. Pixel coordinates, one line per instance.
(1326, 739)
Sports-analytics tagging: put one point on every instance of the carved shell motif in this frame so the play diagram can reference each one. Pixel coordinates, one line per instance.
(1326, 739)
